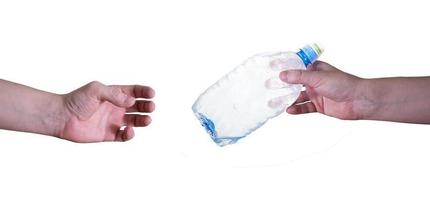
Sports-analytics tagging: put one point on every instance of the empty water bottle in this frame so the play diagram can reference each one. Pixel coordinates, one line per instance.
(244, 99)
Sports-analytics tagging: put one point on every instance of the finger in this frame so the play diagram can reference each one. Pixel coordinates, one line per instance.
(136, 120)
(113, 94)
(308, 107)
(138, 91)
(142, 106)
(309, 78)
(124, 135)
(303, 97)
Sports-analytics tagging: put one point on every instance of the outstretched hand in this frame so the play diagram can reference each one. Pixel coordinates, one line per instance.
(96, 112)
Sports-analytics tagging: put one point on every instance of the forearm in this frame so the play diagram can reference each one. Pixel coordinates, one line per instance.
(30, 110)
(396, 99)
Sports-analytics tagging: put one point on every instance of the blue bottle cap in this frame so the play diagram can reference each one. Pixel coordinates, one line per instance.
(310, 53)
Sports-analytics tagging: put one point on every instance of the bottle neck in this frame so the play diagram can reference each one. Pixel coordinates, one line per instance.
(309, 54)
(304, 57)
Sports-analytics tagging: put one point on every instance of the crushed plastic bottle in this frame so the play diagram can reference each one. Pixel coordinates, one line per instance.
(244, 99)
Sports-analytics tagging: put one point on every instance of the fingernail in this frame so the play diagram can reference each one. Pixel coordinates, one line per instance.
(147, 121)
(283, 76)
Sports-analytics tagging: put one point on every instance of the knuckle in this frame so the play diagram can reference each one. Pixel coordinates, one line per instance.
(300, 76)
(116, 90)
(94, 86)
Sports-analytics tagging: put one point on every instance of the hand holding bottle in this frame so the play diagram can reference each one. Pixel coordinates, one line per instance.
(338, 94)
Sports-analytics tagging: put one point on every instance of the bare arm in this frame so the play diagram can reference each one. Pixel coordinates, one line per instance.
(398, 99)
(30, 110)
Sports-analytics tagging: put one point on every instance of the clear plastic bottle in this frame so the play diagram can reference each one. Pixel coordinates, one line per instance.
(244, 99)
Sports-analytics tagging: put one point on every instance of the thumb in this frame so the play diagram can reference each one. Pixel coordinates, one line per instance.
(308, 78)
(112, 94)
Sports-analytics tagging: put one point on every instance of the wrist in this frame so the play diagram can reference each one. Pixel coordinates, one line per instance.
(55, 115)
(368, 98)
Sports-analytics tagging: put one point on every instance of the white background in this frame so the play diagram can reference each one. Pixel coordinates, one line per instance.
(182, 47)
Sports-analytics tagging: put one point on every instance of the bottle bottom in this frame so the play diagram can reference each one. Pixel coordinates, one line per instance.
(210, 128)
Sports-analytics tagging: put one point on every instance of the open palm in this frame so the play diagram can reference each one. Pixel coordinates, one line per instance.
(96, 112)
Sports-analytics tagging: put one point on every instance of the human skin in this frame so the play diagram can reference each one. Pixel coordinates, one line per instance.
(93, 113)
(335, 93)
